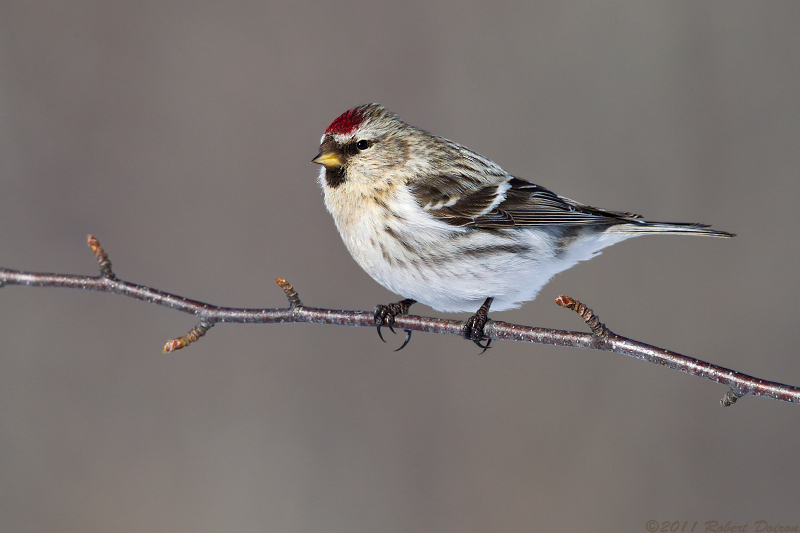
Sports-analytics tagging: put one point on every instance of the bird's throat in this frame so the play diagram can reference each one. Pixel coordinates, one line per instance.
(334, 176)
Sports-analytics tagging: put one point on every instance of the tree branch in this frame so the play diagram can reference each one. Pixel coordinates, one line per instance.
(601, 338)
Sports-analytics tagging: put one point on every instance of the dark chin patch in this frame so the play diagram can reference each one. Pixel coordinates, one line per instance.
(334, 176)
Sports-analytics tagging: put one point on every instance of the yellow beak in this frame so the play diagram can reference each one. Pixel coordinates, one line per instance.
(328, 159)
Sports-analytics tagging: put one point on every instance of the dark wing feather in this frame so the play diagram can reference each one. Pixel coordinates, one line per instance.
(525, 204)
(454, 200)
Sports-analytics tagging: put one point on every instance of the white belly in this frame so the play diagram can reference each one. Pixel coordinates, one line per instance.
(457, 270)
(454, 269)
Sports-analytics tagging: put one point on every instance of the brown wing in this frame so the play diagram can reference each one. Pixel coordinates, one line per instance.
(456, 200)
(524, 204)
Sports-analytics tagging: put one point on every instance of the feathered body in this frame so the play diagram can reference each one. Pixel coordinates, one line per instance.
(434, 221)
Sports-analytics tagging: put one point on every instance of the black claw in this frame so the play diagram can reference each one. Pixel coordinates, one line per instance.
(408, 338)
(384, 315)
(473, 326)
(485, 347)
(381, 312)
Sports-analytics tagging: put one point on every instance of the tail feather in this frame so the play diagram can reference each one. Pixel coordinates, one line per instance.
(667, 228)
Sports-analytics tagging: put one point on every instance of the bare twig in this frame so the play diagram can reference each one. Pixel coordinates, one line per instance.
(294, 299)
(194, 334)
(601, 337)
(598, 328)
(102, 257)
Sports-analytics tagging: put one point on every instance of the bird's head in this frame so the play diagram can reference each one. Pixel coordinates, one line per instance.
(363, 145)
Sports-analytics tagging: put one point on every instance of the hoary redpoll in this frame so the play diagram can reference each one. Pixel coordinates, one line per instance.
(439, 224)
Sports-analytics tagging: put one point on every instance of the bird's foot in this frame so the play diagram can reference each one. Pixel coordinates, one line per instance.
(473, 326)
(384, 315)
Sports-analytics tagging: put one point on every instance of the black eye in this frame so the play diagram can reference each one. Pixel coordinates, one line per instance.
(363, 144)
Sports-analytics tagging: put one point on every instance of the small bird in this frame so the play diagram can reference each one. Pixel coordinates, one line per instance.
(437, 223)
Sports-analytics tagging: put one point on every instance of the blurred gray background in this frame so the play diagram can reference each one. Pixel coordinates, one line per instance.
(180, 134)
